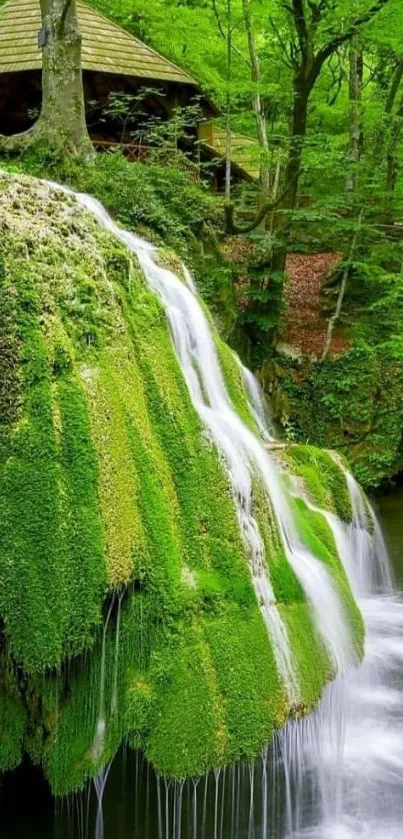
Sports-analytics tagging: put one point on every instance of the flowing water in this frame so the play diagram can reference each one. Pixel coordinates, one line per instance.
(244, 457)
(257, 403)
(337, 774)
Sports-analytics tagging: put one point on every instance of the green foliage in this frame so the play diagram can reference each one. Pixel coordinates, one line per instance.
(352, 404)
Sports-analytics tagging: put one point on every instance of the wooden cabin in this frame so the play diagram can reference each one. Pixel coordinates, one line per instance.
(113, 61)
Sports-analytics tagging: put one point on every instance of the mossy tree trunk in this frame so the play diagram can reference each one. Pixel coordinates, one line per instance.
(62, 119)
(356, 80)
(61, 126)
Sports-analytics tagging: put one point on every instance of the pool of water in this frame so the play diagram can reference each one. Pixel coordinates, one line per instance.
(336, 775)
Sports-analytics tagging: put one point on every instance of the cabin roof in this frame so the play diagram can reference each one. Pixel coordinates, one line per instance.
(107, 48)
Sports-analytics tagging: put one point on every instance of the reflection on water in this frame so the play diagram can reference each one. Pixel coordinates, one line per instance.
(390, 510)
(336, 775)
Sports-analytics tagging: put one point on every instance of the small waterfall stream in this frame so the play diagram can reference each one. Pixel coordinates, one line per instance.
(332, 767)
(257, 404)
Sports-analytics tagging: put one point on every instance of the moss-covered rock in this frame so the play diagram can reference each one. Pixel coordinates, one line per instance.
(351, 403)
(127, 605)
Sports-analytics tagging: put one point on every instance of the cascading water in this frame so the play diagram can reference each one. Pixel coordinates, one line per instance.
(364, 555)
(100, 784)
(100, 731)
(257, 405)
(327, 759)
(348, 756)
(245, 458)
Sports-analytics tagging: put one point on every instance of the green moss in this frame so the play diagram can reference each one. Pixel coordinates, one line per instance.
(120, 547)
(311, 658)
(351, 403)
(253, 695)
(118, 485)
(12, 721)
(190, 734)
(81, 519)
(233, 379)
(323, 479)
(286, 586)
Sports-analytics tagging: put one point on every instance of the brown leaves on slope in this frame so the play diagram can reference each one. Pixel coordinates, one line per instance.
(305, 325)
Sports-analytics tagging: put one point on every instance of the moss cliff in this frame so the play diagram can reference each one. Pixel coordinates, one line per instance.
(126, 601)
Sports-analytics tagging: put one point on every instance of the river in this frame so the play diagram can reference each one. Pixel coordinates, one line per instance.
(347, 783)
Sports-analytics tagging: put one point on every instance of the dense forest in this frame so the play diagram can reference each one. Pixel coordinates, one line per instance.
(201, 373)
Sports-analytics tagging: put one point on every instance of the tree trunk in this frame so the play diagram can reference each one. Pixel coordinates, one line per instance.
(61, 126)
(228, 140)
(355, 127)
(257, 105)
(342, 291)
(392, 157)
(391, 172)
(302, 91)
(62, 121)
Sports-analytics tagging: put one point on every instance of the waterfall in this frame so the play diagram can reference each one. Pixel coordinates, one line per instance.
(257, 403)
(99, 739)
(114, 702)
(245, 458)
(337, 774)
(348, 755)
(99, 786)
(364, 553)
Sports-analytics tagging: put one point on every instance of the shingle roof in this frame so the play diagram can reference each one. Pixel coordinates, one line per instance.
(106, 47)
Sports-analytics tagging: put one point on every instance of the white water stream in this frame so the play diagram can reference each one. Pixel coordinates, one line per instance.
(257, 404)
(347, 759)
(244, 456)
(342, 767)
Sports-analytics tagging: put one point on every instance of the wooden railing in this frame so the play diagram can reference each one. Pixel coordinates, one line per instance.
(136, 153)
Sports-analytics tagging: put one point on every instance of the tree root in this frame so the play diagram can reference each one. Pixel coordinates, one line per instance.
(44, 135)
(17, 143)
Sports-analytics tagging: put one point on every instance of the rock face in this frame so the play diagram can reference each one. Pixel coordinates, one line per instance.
(126, 603)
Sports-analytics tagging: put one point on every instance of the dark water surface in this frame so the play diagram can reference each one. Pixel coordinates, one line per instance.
(390, 510)
(139, 806)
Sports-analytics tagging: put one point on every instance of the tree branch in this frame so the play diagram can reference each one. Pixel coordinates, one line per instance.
(17, 143)
(231, 227)
(397, 78)
(301, 26)
(224, 34)
(333, 45)
(340, 298)
(63, 17)
(338, 75)
(288, 61)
